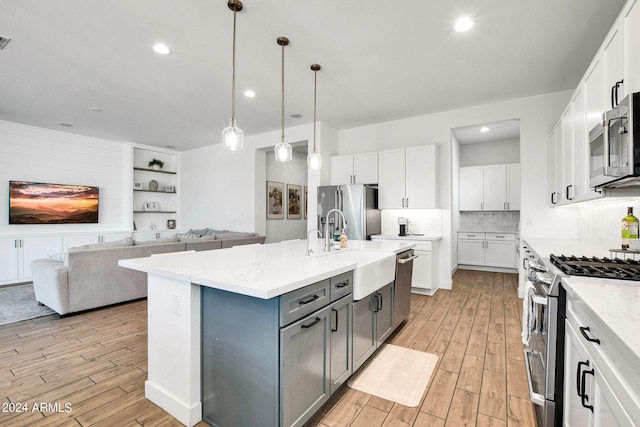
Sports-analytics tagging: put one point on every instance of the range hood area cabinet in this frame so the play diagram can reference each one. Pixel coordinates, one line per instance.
(361, 168)
(407, 178)
(490, 188)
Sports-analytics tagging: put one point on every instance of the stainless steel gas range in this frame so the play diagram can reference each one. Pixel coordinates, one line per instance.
(545, 351)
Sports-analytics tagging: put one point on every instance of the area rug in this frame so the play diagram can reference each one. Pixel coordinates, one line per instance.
(396, 373)
(19, 303)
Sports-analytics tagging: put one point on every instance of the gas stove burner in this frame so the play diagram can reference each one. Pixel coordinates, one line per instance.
(606, 268)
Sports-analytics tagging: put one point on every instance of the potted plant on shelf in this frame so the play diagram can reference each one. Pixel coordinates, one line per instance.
(156, 164)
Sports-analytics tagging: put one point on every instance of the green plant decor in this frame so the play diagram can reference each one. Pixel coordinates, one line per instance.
(160, 163)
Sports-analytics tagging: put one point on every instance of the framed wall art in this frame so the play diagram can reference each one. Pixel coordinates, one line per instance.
(151, 207)
(294, 209)
(275, 193)
(306, 202)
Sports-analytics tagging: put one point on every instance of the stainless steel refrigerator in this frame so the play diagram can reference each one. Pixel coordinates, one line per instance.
(358, 202)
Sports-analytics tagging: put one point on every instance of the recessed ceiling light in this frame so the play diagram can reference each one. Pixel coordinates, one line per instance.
(484, 129)
(95, 109)
(249, 93)
(463, 24)
(295, 115)
(161, 48)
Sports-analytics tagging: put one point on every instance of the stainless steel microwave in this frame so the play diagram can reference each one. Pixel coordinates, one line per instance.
(614, 146)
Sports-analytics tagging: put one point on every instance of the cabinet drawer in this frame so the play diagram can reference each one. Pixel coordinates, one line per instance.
(341, 285)
(471, 236)
(297, 304)
(505, 236)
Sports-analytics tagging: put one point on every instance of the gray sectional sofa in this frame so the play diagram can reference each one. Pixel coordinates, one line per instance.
(89, 276)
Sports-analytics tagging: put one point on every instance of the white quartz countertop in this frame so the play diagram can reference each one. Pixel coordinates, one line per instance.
(262, 271)
(545, 247)
(490, 230)
(410, 237)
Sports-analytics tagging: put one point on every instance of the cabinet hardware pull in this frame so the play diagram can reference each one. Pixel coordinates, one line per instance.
(583, 396)
(379, 302)
(407, 202)
(336, 312)
(307, 301)
(15, 243)
(481, 206)
(578, 373)
(403, 202)
(342, 284)
(315, 322)
(584, 330)
(508, 207)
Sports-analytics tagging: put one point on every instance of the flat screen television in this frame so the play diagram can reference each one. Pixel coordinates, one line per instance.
(41, 203)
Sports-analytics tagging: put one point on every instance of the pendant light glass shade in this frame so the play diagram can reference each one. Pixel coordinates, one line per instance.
(283, 150)
(314, 160)
(232, 136)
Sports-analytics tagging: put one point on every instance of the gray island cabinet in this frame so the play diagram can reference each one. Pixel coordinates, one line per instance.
(259, 335)
(274, 362)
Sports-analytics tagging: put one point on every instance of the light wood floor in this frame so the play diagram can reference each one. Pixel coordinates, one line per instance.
(96, 362)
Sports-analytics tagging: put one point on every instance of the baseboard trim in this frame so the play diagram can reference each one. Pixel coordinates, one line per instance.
(490, 269)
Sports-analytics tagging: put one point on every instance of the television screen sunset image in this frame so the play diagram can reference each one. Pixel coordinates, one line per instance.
(39, 203)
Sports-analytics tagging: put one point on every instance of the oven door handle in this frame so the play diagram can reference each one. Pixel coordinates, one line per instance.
(539, 299)
(536, 398)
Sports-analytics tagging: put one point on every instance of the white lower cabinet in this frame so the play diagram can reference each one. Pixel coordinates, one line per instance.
(594, 392)
(487, 249)
(17, 253)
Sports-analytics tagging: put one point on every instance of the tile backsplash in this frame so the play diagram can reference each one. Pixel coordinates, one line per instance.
(490, 221)
(421, 221)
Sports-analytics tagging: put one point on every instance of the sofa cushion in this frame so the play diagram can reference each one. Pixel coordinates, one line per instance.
(127, 241)
(235, 235)
(171, 239)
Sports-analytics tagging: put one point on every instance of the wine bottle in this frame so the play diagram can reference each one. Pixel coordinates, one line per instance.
(629, 228)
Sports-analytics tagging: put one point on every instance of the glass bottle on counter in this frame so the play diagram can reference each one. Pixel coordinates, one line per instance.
(629, 228)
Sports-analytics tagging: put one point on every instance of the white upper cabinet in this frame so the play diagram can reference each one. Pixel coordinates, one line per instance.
(421, 177)
(359, 168)
(631, 24)
(495, 187)
(513, 187)
(490, 187)
(407, 178)
(471, 192)
(616, 62)
(613, 57)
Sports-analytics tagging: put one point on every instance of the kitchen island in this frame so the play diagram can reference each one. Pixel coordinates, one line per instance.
(196, 296)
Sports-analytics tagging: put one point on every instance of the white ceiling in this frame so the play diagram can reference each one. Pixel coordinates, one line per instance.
(506, 130)
(381, 60)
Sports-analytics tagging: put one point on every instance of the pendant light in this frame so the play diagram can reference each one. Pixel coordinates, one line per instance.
(283, 150)
(314, 160)
(232, 136)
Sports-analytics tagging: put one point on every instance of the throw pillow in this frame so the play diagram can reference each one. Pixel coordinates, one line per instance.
(198, 233)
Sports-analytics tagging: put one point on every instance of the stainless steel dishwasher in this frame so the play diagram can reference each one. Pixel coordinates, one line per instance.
(402, 295)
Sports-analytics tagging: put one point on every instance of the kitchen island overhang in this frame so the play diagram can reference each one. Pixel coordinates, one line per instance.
(174, 304)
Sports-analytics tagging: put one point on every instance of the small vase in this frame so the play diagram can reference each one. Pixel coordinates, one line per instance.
(153, 185)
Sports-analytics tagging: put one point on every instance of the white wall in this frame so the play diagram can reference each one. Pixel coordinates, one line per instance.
(537, 114)
(29, 153)
(293, 172)
(227, 189)
(490, 153)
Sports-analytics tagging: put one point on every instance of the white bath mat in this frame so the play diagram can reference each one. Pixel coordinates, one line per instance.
(396, 373)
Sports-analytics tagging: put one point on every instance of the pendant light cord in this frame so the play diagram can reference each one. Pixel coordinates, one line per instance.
(283, 45)
(315, 92)
(233, 70)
